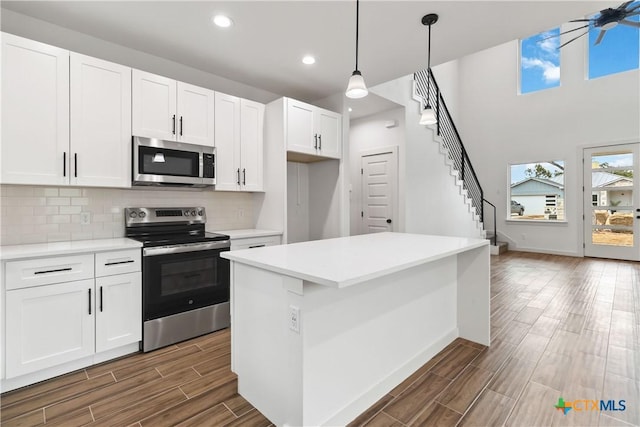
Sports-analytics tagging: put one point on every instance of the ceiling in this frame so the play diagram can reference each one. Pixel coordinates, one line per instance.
(265, 46)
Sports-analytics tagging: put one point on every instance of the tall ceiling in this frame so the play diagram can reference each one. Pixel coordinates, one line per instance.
(265, 45)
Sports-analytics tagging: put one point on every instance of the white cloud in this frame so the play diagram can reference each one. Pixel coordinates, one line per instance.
(550, 45)
(550, 71)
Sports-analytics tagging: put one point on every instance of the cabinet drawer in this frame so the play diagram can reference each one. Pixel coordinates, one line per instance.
(46, 271)
(117, 262)
(254, 242)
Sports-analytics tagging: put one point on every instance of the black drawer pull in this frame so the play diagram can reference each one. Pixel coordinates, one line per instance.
(101, 299)
(119, 262)
(53, 271)
(257, 246)
(89, 301)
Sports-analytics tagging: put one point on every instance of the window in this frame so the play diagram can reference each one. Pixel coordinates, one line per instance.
(618, 51)
(540, 61)
(537, 191)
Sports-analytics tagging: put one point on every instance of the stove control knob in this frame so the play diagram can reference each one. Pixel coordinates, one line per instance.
(193, 213)
(142, 214)
(133, 214)
(200, 212)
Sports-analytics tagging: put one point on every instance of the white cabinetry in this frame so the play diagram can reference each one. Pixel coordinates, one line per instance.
(58, 311)
(254, 242)
(167, 109)
(312, 130)
(35, 112)
(66, 117)
(239, 143)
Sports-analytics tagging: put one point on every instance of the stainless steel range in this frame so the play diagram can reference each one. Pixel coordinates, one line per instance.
(185, 282)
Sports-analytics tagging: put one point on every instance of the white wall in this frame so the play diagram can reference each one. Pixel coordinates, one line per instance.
(500, 127)
(35, 29)
(37, 214)
(368, 133)
(433, 202)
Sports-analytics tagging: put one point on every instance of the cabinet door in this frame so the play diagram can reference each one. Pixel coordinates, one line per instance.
(251, 144)
(48, 325)
(299, 124)
(227, 142)
(118, 310)
(195, 120)
(154, 106)
(329, 130)
(100, 122)
(35, 112)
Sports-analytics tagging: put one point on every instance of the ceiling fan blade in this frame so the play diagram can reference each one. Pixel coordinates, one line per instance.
(581, 20)
(633, 8)
(630, 23)
(568, 31)
(625, 4)
(575, 38)
(600, 37)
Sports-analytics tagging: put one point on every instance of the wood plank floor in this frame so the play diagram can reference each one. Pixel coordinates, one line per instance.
(560, 326)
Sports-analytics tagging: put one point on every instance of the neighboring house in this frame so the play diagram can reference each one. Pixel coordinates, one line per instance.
(538, 195)
(608, 196)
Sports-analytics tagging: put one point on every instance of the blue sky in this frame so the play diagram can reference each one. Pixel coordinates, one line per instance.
(518, 172)
(540, 57)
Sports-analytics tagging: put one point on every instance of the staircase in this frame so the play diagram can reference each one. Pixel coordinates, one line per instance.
(455, 155)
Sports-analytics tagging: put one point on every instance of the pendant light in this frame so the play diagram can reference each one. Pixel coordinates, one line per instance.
(356, 87)
(428, 116)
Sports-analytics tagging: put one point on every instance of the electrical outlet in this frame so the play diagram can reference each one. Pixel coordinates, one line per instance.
(240, 213)
(85, 218)
(294, 318)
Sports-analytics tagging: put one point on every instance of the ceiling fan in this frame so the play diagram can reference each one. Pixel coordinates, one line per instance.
(606, 20)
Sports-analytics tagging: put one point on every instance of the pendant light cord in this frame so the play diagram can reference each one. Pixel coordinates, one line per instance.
(357, 22)
(429, 68)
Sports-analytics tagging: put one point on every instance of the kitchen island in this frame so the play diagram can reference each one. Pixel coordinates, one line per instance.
(321, 330)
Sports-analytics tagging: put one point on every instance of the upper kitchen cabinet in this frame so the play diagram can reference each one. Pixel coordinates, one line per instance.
(35, 112)
(239, 143)
(100, 122)
(312, 131)
(66, 117)
(167, 109)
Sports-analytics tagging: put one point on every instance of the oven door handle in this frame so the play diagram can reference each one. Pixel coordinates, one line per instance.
(192, 247)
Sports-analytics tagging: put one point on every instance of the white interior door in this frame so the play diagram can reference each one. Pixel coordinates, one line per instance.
(379, 174)
(611, 205)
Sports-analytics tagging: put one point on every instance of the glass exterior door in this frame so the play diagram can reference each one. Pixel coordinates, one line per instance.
(611, 205)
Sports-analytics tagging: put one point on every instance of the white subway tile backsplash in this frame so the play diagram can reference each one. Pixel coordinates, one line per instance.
(33, 214)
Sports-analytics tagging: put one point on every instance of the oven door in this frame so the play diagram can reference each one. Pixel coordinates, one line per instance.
(180, 278)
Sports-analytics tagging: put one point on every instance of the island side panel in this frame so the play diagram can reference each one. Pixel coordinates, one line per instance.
(474, 295)
(266, 353)
(359, 342)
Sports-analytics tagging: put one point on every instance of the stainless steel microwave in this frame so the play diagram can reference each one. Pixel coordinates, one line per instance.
(170, 163)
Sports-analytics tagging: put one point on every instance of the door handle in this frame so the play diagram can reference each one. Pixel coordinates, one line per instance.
(89, 300)
(315, 137)
(100, 298)
(244, 177)
(180, 125)
(238, 176)
(173, 131)
(319, 142)
(388, 221)
(64, 164)
(75, 165)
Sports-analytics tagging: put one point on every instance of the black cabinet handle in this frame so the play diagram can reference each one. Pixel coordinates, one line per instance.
(319, 142)
(238, 176)
(388, 221)
(315, 145)
(75, 165)
(257, 246)
(89, 301)
(53, 271)
(244, 177)
(174, 125)
(637, 210)
(64, 164)
(119, 262)
(180, 125)
(101, 299)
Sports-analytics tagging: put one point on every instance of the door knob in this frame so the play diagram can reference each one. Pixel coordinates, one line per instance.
(388, 221)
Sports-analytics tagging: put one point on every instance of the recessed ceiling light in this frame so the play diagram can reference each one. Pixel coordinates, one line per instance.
(309, 60)
(222, 21)
(350, 109)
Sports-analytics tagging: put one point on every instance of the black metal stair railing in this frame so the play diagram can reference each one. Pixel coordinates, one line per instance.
(446, 129)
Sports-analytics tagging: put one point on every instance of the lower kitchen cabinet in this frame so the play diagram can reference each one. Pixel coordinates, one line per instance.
(48, 325)
(52, 320)
(254, 242)
(118, 310)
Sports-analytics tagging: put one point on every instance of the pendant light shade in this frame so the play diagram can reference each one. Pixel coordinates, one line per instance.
(428, 116)
(356, 87)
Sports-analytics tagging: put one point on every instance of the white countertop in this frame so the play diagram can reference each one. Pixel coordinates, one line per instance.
(66, 248)
(346, 261)
(248, 233)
